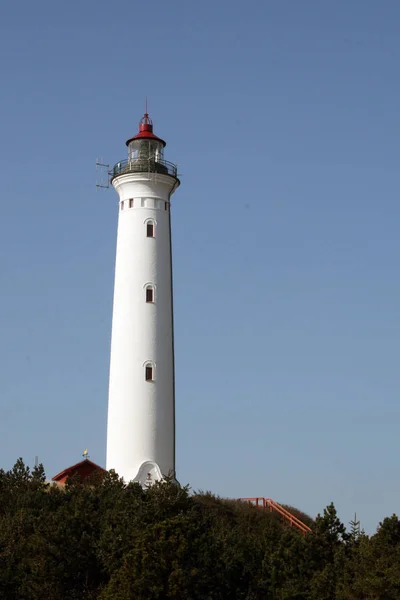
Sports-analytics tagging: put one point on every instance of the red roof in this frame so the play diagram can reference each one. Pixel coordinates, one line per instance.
(84, 469)
(146, 131)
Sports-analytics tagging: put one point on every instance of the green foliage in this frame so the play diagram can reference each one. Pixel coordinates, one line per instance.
(107, 540)
(355, 529)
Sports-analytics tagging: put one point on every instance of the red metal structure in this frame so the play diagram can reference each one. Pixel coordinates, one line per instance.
(272, 506)
(146, 131)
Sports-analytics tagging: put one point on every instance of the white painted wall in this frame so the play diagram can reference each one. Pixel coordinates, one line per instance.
(141, 415)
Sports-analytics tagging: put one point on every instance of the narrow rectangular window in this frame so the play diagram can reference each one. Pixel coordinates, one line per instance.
(166, 206)
(149, 373)
(149, 294)
(122, 205)
(130, 202)
(150, 229)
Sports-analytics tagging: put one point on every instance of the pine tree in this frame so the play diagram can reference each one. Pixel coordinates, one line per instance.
(355, 529)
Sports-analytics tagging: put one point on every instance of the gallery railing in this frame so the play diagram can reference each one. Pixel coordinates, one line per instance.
(143, 165)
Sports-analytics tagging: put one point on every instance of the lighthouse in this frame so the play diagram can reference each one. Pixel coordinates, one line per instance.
(141, 404)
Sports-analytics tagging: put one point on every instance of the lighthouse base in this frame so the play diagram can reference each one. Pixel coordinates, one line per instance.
(149, 472)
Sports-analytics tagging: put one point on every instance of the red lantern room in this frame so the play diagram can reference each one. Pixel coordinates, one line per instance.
(145, 153)
(146, 145)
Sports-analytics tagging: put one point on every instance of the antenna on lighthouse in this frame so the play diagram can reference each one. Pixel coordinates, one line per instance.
(102, 166)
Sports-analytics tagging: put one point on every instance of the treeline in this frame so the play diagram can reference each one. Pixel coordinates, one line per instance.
(109, 541)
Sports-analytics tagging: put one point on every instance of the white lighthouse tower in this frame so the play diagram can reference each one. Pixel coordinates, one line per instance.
(141, 406)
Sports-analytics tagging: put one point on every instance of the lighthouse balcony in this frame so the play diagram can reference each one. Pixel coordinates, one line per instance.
(142, 165)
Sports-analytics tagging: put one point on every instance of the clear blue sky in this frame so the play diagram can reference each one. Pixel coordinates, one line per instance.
(284, 119)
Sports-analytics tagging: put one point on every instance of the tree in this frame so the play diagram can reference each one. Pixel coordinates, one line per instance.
(325, 554)
(105, 539)
(355, 529)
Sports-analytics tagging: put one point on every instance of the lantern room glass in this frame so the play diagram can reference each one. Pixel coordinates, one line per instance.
(143, 149)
